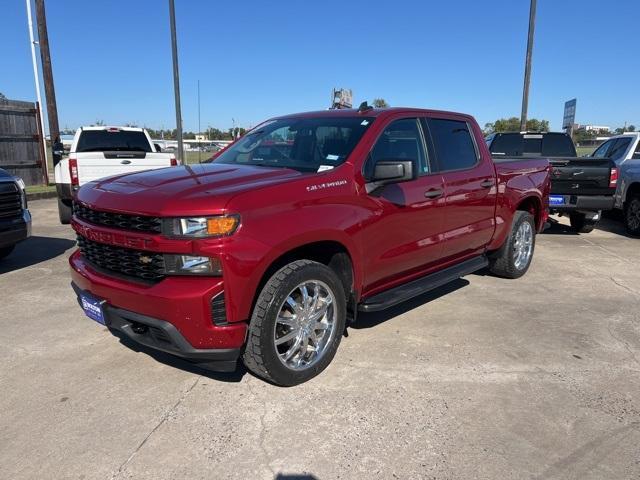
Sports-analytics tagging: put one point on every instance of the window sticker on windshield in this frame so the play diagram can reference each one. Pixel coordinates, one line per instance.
(322, 168)
(364, 123)
(333, 157)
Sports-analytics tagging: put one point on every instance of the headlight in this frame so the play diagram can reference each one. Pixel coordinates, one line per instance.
(23, 191)
(192, 265)
(216, 226)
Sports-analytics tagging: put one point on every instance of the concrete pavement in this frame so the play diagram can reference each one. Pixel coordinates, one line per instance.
(485, 378)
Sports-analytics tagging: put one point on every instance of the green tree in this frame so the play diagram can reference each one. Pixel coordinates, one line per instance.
(512, 124)
(380, 103)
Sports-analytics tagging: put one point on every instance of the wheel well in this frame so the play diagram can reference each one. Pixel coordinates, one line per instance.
(632, 191)
(332, 254)
(533, 206)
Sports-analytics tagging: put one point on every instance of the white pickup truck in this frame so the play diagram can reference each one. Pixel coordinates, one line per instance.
(98, 152)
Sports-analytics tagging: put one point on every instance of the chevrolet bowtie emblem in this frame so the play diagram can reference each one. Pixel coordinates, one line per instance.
(145, 259)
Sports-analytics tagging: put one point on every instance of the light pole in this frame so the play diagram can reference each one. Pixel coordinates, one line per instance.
(527, 67)
(36, 78)
(176, 79)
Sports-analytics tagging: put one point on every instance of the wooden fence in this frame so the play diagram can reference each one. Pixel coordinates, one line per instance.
(21, 145)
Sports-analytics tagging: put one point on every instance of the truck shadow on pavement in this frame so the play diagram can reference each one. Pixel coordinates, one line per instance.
(35, 250)
(608, 223)
(369, 320)
(177, 362)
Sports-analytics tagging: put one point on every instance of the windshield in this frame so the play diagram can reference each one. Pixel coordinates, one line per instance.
(303, 144)
(112, 140)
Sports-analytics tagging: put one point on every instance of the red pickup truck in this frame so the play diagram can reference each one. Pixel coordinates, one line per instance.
(270, 250)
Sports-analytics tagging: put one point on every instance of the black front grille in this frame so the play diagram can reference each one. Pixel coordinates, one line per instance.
(139, 264)
(10, 200)
(139, 223)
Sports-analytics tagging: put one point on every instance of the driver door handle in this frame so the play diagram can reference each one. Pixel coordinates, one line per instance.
(433, 193)
(487, 183)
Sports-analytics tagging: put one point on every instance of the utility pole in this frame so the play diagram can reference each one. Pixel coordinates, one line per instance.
(47, 75)
(36, 78)
(527, 67)
(176, 78)
(199, 131)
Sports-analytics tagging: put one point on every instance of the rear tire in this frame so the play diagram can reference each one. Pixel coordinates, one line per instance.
(580, 224)
(632, 216)
(297, 324)
(64, 212)
(5, 251)
(514, 257)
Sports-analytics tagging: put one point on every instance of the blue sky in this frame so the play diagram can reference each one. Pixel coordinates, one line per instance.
(256, 59)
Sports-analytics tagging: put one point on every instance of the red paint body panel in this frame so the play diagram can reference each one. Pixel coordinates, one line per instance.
(391, 238)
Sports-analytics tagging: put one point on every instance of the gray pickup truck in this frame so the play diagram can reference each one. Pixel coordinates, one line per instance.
(15, 219)
(624, 150)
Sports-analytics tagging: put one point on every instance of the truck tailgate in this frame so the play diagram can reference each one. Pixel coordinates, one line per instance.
(96, 165)
(581, 176)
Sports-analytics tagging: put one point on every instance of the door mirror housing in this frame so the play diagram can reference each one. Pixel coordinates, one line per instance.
(392, 171)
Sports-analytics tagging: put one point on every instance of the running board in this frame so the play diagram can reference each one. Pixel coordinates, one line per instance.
(406, 291)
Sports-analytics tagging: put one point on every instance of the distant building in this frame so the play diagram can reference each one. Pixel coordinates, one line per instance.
(201, 138)
(595, 128)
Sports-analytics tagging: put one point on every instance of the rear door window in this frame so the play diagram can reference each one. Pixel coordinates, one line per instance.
(617, 151)
(636, 154)
(453, 144)
(603, 149)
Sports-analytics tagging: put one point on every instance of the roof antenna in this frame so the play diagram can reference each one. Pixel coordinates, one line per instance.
(364, 106)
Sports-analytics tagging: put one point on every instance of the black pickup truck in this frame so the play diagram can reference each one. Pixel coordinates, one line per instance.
(15, 219)
(580, 186)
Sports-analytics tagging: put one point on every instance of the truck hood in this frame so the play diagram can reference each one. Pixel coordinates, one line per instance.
(185, 190)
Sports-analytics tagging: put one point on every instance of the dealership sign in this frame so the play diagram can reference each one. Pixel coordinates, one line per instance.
(569, 117)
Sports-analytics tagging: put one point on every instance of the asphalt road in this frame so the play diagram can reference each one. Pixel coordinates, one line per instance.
(485, 378)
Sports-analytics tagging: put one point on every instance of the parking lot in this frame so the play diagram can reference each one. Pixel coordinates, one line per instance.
(485, 378)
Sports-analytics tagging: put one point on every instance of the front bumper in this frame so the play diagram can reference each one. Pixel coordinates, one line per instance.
(179, 306)
(587, 203)
(15, 230)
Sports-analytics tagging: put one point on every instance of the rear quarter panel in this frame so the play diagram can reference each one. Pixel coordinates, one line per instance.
(518, 181)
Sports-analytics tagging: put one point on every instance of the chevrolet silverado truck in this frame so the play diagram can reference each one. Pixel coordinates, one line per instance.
(624, 150)
(15, 219)
(581, 187)
(270, 250)
(98, 152)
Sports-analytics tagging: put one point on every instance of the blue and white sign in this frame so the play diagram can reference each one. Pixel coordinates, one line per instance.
(92, 308)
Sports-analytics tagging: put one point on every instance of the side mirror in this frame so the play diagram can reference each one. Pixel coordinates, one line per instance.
(157, 147)
(57, 151)
(392, 171)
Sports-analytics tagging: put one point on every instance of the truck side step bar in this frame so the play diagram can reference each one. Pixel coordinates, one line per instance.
(404, 292)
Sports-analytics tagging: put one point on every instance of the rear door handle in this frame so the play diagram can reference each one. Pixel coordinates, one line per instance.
(487, 184)
(433, 193)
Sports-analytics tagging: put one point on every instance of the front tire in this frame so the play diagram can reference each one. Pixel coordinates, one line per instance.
(632, 216)
(580, 224)
(514, 257)
(64, 212)
(297, 324)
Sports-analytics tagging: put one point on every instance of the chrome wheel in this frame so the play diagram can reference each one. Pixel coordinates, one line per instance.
(633, 215)
(305, 325)
(523, 246)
